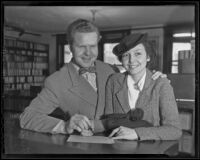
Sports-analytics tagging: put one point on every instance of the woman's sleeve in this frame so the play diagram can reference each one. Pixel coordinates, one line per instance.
(169, 128)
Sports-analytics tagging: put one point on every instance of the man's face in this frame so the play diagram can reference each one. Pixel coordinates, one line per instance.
(85, 48)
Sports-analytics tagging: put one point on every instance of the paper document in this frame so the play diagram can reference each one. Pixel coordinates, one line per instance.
(90, 139)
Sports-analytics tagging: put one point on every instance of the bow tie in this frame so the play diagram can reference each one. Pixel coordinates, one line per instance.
(136, 87)
(84, 70)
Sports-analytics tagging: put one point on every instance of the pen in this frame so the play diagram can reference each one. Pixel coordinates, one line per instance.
(90, 128)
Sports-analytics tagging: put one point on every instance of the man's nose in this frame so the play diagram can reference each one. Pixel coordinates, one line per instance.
(87, 51)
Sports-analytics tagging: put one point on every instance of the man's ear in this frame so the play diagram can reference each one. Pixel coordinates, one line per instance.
(71, 48)
(99, 38)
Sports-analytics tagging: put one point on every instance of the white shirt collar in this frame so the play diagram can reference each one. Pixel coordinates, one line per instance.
(140, 83)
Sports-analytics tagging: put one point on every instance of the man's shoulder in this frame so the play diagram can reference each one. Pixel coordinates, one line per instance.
(58, 74)
(103, 63)
(105, 66)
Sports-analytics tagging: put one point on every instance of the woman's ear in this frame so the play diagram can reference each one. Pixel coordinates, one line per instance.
(148, 59)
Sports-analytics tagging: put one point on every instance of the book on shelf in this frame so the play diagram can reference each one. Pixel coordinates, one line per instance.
(40, 47)
(25, 64)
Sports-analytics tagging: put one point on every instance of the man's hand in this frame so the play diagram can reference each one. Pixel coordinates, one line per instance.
(79, 123)
(157, 74)
(87, 133)
(90, 131)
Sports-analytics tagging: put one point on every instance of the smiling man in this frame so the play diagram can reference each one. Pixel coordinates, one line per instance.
(77, 90)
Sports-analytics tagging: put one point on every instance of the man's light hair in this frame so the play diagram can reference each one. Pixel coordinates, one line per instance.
(80, 25)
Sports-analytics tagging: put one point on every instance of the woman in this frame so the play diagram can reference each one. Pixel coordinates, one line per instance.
(135, 89)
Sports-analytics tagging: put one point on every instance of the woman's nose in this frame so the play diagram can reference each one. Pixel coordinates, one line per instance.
(131, 58)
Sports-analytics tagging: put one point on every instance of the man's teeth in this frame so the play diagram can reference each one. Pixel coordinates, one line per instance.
(133, 66)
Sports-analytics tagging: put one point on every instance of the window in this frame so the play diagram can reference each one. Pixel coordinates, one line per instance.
(109, 57)
(67, 54)
(176, 47)
(181, 42)
(109, 40)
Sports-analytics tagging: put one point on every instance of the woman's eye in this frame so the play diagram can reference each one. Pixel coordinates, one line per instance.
(125, 55)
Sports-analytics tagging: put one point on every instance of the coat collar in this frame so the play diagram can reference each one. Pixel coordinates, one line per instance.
(102, 77)
(122, 91)
(80, 87)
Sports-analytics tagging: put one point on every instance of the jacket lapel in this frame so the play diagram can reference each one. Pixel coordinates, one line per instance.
(145, 94)
(122, 93)
(102, 76)
(80, 87)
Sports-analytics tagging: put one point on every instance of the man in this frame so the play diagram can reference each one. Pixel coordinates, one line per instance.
(79, 94)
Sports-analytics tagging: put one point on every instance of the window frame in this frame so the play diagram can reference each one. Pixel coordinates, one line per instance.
(169, 40)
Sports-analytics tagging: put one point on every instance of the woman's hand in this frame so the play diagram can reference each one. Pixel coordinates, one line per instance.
(124, 133)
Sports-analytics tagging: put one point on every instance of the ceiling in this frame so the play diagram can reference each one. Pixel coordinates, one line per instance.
(55, 19)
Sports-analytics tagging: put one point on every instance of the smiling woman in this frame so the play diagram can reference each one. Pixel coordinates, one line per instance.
(155, 98)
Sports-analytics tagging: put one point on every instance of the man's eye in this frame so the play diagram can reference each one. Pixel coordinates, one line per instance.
(137, 53)
(93, 46)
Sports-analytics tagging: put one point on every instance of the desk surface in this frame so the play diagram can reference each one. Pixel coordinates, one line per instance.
(20, 141)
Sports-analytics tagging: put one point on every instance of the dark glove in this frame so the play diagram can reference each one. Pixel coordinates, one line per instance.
(133, 119)
(60, 114)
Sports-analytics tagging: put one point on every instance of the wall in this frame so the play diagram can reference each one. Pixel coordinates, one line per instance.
(154, 34)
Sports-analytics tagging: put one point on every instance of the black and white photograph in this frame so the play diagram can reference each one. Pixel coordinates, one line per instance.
(100, 80)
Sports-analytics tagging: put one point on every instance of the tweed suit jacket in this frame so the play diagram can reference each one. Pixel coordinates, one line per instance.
(156, 100)
(69, 91)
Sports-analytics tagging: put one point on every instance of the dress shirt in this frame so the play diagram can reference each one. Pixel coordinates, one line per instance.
(134, 89)
(91, 78)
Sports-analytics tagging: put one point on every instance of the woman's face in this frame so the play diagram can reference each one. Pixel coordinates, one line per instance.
(135, 60)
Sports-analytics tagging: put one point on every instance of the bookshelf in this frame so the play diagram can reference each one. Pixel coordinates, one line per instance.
(184, 89)
(25, 66)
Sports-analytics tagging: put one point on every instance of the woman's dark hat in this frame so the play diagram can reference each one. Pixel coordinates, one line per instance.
(129, 42)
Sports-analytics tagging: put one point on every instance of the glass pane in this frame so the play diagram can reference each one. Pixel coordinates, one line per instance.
(175, 63)
(174, 69)
(109, 57)
(178, 47)
(67, 54)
